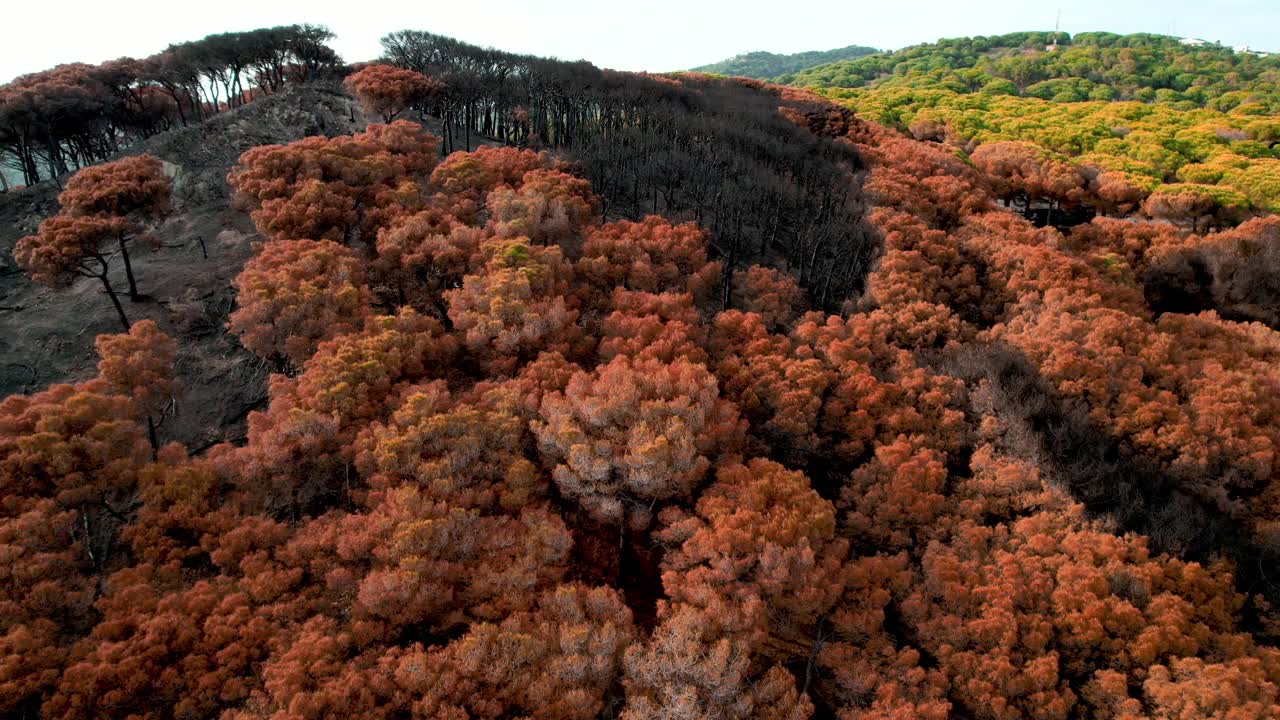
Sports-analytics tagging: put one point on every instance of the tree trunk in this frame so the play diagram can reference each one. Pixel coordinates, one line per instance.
(111, 293)
(30, 170)
(726, 279)
(151, 435)
(54, 170)
(128, 270)
(444, 312)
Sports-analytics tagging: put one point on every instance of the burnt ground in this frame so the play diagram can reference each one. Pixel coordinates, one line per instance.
(47, 334)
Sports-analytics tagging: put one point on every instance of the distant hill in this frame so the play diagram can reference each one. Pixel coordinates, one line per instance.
(1060, 67)
(766, 65)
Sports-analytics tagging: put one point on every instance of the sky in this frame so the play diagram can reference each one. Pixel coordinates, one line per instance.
(655, 35)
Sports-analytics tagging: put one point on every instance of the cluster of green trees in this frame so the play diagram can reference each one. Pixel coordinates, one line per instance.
(1160, 115)
(763, 65)
(1059, 67)
(1155, 144)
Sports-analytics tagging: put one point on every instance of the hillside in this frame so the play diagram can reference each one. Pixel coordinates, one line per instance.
(47, 334)
(1152, 115)
(691, 148)
(765, 65)
(1088, 66)
(507, 387)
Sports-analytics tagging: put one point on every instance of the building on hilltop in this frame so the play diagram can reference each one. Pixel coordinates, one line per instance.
(1245, 50)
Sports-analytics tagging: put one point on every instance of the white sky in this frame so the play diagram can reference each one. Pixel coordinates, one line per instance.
(656, 35)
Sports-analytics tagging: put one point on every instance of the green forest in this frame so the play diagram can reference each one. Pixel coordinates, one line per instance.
(1155, 113)
(765, 65)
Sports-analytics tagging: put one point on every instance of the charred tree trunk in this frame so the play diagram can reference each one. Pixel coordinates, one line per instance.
(111, 293)
(128, 270)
